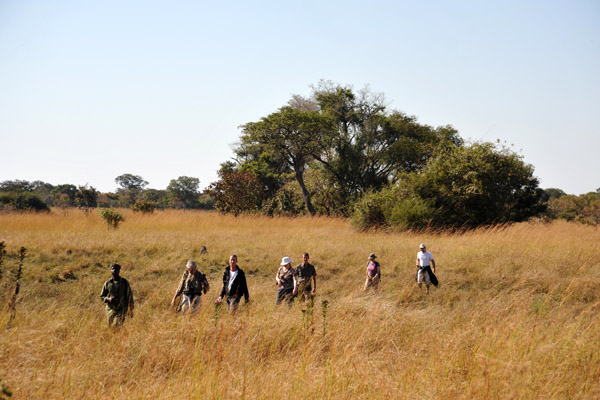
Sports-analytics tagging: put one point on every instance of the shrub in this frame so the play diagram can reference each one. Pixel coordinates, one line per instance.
(462, 187)
(391, 208)
(236, 192)
(206, 202)
(144, 207)
(411, 213)
(111, 217)
(368, 211)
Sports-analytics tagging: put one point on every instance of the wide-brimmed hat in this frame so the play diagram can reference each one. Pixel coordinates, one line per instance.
(286, 261)
(191, 264)
(372, 256)
(422, 246)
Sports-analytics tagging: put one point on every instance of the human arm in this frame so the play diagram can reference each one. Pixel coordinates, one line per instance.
(277, 279)
(314, 286)
(295, 291)
(104, 295)
(224, 289)
(130, 299)
(206, 285)
(433, 265)
(179, 288)
(245, 288)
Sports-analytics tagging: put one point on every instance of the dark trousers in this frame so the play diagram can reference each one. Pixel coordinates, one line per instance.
(285, 294)
(305, 292)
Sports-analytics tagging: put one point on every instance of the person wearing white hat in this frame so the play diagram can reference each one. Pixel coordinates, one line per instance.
(424, 263)
(286, 282)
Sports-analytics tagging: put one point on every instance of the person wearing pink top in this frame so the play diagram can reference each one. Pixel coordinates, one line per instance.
(373, 273)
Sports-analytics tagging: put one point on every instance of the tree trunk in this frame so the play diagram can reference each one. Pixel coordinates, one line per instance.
(305, 194)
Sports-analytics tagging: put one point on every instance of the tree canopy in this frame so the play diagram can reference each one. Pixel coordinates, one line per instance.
(461, 187)
(184, 189)
(350, 139)
(293, 135)
(130, 181)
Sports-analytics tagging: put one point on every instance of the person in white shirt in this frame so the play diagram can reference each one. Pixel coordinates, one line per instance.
(234, 285)
(425, 262)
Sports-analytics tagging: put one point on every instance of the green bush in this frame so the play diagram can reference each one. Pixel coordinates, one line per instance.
(462, 187)
(111, 217)
(411, 213)
(284, 202)
(391, 208)
(368, 211)
(144, 207)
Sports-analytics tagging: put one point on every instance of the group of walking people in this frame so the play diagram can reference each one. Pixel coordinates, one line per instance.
(292, 283)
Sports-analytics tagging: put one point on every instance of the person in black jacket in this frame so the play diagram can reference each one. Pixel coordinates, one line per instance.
(234, 285)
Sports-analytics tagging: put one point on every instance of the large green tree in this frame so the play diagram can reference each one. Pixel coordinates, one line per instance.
(461, 187)
(64, 195)
(130, 188)
(351, 136)
(130, 181)
(293, 135)
(86, 198)
(371, 145)
(481, 184)
(185, 189)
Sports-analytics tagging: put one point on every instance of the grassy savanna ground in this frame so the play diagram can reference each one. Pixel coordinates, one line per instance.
(516, 315)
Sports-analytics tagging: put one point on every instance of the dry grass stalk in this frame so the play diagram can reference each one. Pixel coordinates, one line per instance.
(2, 254)
(11, 304)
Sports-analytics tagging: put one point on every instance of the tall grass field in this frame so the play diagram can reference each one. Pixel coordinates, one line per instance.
(516, 315)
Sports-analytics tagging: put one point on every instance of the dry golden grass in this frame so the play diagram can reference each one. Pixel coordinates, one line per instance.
(516, 315)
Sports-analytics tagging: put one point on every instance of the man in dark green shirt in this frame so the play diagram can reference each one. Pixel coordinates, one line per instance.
(306, 278)
(117, 295)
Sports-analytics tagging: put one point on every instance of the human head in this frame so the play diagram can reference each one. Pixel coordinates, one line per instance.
(286, 261)
(233, 262)
(422, 247)
(305, 258)
(115, 270)
(191, 265)
(372, 257)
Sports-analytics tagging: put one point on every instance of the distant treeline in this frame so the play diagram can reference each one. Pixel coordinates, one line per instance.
(182, 192)
(342, 152)
(584, 208)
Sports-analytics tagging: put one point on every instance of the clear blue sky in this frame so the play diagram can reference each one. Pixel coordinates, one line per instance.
(90, 90)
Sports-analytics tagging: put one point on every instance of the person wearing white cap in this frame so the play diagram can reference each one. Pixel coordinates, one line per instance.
(424, 263)
(286, 282)
(193, 283)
